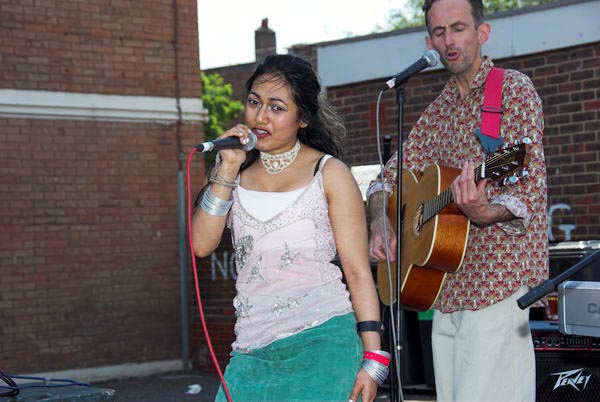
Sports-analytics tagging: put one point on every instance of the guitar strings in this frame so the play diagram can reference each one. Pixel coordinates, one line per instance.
(436, 204)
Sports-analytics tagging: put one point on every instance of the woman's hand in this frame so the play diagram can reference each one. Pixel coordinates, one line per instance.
(234, 157)
(364, 386)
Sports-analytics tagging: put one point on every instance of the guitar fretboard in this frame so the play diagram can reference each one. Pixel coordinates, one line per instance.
(495, 167)
(443, 199)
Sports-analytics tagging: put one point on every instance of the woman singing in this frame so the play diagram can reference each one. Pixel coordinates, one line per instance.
(290, 204)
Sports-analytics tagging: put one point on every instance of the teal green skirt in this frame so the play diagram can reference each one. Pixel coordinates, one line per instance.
(317, 364)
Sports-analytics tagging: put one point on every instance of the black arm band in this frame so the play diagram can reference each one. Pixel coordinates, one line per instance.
(368, 326)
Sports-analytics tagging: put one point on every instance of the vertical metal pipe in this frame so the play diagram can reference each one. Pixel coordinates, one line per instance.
(183, 272)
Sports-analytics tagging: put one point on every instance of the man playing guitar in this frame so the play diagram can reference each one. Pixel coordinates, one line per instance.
(482, 347)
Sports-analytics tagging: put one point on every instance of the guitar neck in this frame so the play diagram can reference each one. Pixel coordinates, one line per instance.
(497, 166)
(445, 198)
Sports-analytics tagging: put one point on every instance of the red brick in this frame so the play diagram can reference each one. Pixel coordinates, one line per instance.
(592, 105)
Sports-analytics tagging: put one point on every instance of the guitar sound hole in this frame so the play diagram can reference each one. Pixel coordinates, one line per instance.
(418, 221)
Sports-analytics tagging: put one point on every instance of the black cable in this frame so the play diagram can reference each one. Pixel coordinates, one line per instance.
(12, 386)
(14, 389)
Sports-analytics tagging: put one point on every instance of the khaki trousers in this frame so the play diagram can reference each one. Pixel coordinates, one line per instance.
(485, 355)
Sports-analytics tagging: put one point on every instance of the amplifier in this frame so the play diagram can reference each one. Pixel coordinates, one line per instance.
(567, 376)
(579, 308)
(546, 337)
(566, 365)
(565, 254)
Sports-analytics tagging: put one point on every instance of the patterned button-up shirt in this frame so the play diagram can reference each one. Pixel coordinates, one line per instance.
(504, 256)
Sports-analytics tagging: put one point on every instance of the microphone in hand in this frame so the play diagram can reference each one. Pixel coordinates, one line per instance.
(228, 143)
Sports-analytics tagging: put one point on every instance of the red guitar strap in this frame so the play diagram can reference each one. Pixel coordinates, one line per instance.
(491, 111)
(492, 103)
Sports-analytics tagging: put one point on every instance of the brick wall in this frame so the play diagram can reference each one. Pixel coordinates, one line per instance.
(569, 84)
(117, 47)
(88, 209)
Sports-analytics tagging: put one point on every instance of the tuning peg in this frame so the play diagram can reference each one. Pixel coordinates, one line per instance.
(510, 180)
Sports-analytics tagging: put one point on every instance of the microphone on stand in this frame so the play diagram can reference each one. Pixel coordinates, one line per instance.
(227, 143)
(429, 59)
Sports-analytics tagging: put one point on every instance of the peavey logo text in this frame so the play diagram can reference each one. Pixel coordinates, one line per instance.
(574, 378)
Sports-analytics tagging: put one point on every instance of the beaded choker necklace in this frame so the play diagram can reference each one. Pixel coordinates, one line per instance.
(277, 163)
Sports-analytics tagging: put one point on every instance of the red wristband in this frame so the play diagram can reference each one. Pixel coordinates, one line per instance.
(377, 357)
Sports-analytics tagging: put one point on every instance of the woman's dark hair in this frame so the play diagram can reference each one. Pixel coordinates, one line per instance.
(324, 126)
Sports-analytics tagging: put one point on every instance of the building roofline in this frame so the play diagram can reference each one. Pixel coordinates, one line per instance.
(395, 32)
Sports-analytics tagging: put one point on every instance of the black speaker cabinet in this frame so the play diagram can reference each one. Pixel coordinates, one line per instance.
(567, 376)
(567, 366)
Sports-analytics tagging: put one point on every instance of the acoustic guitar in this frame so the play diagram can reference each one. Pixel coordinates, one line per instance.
(435, 230)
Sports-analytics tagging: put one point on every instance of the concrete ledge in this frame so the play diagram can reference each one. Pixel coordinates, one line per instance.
(104, 373)
(28, 104)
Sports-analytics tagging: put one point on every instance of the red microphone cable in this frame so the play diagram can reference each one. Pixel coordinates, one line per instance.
(196, 282)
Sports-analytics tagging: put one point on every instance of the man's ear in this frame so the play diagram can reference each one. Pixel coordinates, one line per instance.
(428, 42)
(483, 33)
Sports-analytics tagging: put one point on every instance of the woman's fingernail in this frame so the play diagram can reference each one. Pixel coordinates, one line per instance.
(245, 140)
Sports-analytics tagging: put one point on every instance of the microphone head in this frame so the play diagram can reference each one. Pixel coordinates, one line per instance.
(432, 57)
(251, 142)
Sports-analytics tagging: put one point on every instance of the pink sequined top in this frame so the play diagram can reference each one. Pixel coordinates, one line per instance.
(285, 280)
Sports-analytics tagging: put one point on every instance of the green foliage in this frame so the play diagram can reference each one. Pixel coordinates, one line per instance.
(412, 15)
(221, 108)
(217, 100)
(503, 5)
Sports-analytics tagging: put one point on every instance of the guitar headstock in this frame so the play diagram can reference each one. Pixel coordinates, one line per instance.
(507, 162)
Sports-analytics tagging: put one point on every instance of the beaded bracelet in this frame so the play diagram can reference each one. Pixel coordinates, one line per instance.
(219, 180)
(214, 205)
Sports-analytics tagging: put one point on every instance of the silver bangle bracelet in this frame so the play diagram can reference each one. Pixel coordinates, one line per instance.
(214, 205)
(377, 371)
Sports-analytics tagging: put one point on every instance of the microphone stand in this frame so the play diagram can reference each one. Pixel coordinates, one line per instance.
(551, 284)
(396, 310)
